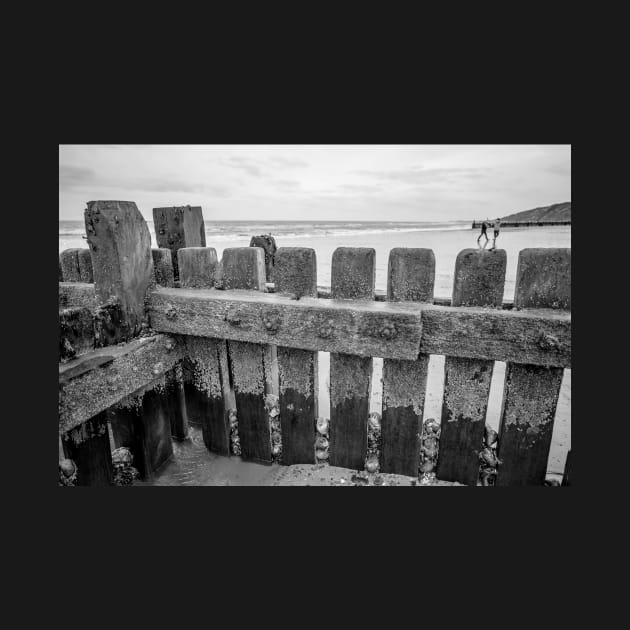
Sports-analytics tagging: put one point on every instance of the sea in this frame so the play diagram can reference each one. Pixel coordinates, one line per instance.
(445, 238)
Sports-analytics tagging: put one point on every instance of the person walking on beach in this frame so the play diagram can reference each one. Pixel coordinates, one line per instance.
(484, 227)
(497, 227)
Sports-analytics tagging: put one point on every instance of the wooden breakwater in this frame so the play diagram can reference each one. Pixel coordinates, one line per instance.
(143, 353)
(477, 224)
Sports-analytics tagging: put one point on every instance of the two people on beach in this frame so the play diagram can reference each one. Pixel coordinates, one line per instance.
(484, 226)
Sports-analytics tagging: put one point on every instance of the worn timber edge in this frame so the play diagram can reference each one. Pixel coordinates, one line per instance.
(101, 378)
(392, 330)
(82, 294)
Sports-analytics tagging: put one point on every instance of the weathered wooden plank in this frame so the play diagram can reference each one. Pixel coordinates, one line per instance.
(295, 272)
(141, 422)
(163, 267)
(86, 271)
(179, 226)
(76, 332)
(410, 277)
(175, 399)
(543, 280)
(88, 446)
(70, 265)
(479, 281)
(537, 336)
(76, 294)
(123, 266)
(203, 386)
(268, 243)
(112, 374)
(244, 268)
(196, 267)
(352, 277)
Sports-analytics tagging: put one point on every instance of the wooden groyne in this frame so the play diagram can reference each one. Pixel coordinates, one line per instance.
(232, 344)
(477, 224)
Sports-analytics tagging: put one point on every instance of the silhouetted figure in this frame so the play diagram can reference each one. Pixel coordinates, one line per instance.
(484, 227)
(497, 227)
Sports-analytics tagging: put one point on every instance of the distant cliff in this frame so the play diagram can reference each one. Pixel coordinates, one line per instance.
(556, 214)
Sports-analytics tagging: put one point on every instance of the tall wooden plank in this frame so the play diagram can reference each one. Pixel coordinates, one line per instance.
(196, 267)
(174, 396)
(543, 280)
(479, 281)
(352, 277)
(120, 244)
(86, 271)
(410, 277)
(244, 268)
(88, 446)
(268, 243)
(295, 272)
(177, 227)
(69, 259)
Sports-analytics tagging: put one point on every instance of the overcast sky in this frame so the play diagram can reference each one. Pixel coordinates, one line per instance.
(318, 182)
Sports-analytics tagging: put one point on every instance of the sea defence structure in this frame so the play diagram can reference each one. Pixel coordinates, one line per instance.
(477, 224)
(232, 345)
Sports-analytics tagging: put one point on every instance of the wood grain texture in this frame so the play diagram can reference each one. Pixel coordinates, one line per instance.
(69, 259)
(76, 294)
(295, 272)
(86, 271)
(479, 281)
(76, 332)
(120, 244)
(196, 267)
(112, 373)
(163, 267)
(538, 336)
(543, 280)
(352, 277)
(410, 278)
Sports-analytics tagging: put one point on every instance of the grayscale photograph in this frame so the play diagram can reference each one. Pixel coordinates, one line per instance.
(314, 315)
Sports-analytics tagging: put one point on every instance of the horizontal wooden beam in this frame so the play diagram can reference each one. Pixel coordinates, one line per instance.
(392, 330)
(101, 378)
(363, 328)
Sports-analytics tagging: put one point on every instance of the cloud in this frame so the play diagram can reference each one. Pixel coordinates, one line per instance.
(287, 184)
(564, 170)
(75, 176)
(248, 165)
(289, 162)
(421, 175)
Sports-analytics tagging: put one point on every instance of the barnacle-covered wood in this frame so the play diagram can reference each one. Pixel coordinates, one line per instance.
(76, 294)
(543, 280)
(411, 274)
(76, 332)
(353, 327)
(86, 271)
(113, 373)
(295, 272)
(479, 280)
(120, 243)
(179, 226)
(196, 267)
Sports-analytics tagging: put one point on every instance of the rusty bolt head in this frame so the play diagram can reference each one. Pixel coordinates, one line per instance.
(548, 342)
(170, 343)
(326, 329)
(272, 322)
(388, 330)
(171, 312)
(158, 368)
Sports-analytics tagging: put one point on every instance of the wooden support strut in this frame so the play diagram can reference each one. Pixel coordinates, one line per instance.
(410, 277)
(479, 281)
(244, 268)
(543, 280)
(295, 273)
(353, 272)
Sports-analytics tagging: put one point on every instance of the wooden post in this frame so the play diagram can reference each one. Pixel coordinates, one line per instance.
(543, 280)
(244, 268)
(353, 270)
(163, 267)
(120, 243)
(479, 281)
(410, 277)
(141, 422)
(203, 371)
(268, 243)
(88, 446)
(177, 227)
(76, 332)
(86, 271)
(70, 265)
(295, 272)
